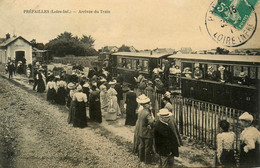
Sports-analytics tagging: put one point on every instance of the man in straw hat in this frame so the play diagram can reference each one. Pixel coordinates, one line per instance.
(243, 79)
(250, 140)
(167, 138)
(145, 130)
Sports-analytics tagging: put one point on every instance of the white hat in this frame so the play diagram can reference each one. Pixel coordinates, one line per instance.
(246, 116)
(71, 85)
(79, 88)
(86, 85)
(164, 113)
(221, 68)
(103, 80)
(167, 94)
(112, 82)
(142, 99)
(242, 74)
(57, 76)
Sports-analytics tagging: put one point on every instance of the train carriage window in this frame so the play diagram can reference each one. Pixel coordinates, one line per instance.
(123, 65)
(128, 63)
(145, 65)
(134, 64)
(258, 73)
(252, 73)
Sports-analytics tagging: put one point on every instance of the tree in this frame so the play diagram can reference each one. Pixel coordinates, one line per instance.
(39, 46)
(221, 51)
(67, 44)
(87, 40)
(124, 48)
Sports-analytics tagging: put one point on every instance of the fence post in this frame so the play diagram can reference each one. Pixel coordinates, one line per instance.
(181, 116)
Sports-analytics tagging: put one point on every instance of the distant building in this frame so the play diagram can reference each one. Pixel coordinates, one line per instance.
(40, 55)
(109, 49)
(212, 51)
(15, 48)
(164, 50)
(186, 50)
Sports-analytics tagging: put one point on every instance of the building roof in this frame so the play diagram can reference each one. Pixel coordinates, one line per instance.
(219, 58)
(11, 40)
(141, 54)
(34, 49)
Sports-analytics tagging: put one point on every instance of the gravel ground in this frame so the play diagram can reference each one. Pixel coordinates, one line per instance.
(34, 133)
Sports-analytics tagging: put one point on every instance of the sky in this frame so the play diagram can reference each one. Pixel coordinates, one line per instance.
(144, 24)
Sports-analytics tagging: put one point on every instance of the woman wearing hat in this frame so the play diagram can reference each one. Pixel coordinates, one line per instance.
(167, 138)
(113, 109)
(104, 100)
(250, 141)
(61, 92)
(187, 72)
(71, 103)
(94, 105)
(222, 74)
(80, 117)
(144, 130)
(131, 106)
(211, 74)
(71, 86)
(197, 73)
(51, 93)
(41, 80)
(243, 79)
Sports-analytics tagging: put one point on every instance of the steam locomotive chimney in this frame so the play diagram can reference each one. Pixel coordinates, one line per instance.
(7, 36)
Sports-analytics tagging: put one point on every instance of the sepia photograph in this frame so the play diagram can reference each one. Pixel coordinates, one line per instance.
(127, 84)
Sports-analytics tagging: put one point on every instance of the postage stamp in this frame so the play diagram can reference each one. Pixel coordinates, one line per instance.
(235, 12)
(224, 33)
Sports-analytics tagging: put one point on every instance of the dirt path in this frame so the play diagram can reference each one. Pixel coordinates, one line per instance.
(35, 134)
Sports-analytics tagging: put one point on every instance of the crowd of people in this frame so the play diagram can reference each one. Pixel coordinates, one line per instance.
(155, 129)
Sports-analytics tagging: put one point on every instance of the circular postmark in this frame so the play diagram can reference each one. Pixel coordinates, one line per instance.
(224, 33)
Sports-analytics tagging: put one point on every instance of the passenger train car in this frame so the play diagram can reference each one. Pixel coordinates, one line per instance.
(235, 91)
(126, 64)
(230, 93)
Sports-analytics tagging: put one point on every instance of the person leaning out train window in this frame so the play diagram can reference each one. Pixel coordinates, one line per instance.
(187, 72)
(211, 73)
(223, 75)
(243, 79)
(197, 73)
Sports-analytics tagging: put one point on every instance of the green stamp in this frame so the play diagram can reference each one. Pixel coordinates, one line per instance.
(235, 12)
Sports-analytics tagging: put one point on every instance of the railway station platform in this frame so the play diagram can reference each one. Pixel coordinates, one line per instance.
(192, 154)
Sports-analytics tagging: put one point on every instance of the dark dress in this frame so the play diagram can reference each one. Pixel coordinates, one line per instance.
(51, 94)
(80, 118)
(251, 158)
(61, 95)
(94, 107)
(131, 106)
(41, 84)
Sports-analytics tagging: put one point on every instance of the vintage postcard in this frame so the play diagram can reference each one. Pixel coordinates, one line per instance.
(137, 83)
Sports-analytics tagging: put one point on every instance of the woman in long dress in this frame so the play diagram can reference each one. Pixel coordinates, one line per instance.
(41, 81)
(80, 117)
(51, 93)
(131, 106)
(94, 105)
(113, 107)
(225, 145)
(61, 92)
(72, 104)
(104, 100)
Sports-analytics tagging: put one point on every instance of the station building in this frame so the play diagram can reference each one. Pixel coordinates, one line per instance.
(15, 48)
